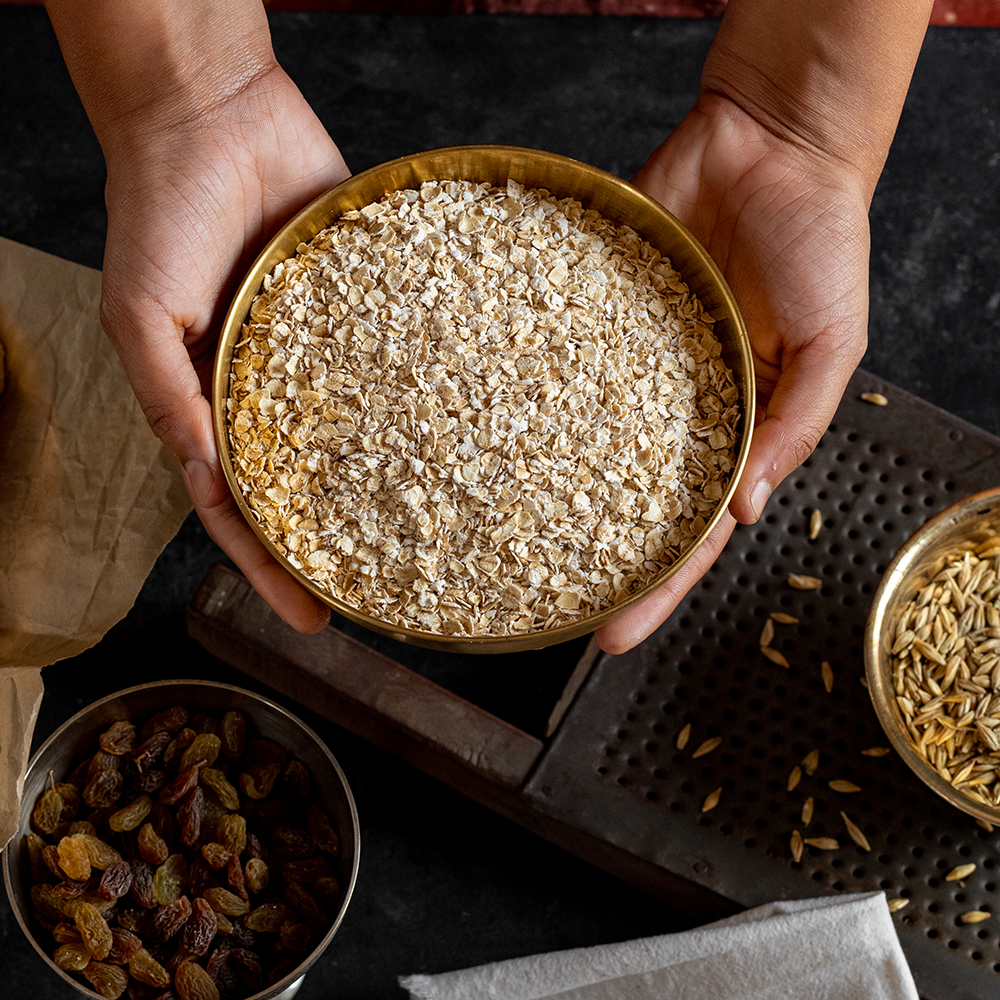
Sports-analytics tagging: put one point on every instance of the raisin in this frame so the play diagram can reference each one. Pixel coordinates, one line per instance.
(274, 812)
(51, 811)
(161, 819)
(258, 781)
(145, 968)
(254, 847)
(50, 856)
(223, 923)
(104, 788)
(231, 832)
(264, 752)
(242, 936)
(296, 780)
(105, 907)
(234, 876)
(189, 815)
(148, 782)
(35, 846)
(170, 879)
(298, 936)
(45, 901)
(169, 919)
(167, 721)
(256, 874)
(224, 901)
(71, 957)
(102, 854)
(215, 854)
(176, 747)
(134, 920)
(268, 917)
(204, 749)
(248, 967)
(74, 858)
(201, 722)
(108, 980)
(132, 815)
(221, 788)
(81, 826)
(199, 931)
(322, 830)
(64, 933)
(201, 877)
(152, 847)
(123, 944)
(102, 761)
(306, 870)
(233, 734)
(290, 843)
(148, 753)
(141, 891)
(94, 930)
(192, 982)
(306, 905)
(172, 792)
(119, 739)
(116, 881)
(70, 889)
(222, 970)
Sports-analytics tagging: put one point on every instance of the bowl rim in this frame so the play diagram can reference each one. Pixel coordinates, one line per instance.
(12, 852)
(879, 687)
(303, 223)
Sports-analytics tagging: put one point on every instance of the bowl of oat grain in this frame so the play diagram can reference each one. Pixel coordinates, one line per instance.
(483, 398)
(932, 654)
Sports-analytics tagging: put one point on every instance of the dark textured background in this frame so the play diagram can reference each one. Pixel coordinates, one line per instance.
(445, 884)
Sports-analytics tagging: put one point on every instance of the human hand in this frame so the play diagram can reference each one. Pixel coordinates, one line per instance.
(191, 202)
(788, 227)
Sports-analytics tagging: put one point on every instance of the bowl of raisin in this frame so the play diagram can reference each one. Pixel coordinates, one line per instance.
(183, 840)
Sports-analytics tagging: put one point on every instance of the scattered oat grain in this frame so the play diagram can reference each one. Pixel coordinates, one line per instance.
(855, 832)
(895, 905)
(810, 762)
(683, 736)
(794, 778)
(784, 619)
(840, 785)
(807, 811)
(974, 917)
(711, 800)
(766, 633)
(827, 672)
(800, 582)
(823, 843)
(707, 747)
(815, 523)
(775, 657)
(875, 397)
(960, 872)
(877, 751)
(797, 846)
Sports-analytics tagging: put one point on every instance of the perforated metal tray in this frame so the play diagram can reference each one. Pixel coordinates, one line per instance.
(613, 769)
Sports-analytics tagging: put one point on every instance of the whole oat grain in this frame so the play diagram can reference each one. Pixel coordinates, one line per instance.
(480, 411)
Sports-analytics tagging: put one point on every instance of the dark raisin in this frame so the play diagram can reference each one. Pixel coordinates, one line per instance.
(116, 881)
(168, 721)
(119, 739)
(234, 876)
(189, 815)
(141, 891)
(172, 792)
(296, 780)
(233, 734)
(169, 919)
(123, 944)
(199, 931)
(103, 789)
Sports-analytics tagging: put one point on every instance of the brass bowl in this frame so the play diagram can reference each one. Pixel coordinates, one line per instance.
(956, 529)
(76, 739)
(616, 200)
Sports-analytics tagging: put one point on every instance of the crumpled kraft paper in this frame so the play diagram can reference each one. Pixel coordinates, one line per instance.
(88, 495)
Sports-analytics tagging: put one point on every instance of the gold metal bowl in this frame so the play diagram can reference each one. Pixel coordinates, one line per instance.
(76, 739)
(617, 201)
(958, 528)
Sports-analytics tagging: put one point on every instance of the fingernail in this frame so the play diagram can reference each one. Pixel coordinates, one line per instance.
(759, 497)
(199, 478)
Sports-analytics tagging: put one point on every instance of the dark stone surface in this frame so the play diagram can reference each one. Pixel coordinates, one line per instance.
(444, 883)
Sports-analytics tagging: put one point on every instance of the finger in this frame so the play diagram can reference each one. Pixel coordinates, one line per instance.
(227, 528)
(801, 406)
(635, 623)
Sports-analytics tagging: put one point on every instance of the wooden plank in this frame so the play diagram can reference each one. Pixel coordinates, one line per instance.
(354, 686)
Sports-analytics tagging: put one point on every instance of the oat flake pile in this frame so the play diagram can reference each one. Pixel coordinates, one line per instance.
(477, 411)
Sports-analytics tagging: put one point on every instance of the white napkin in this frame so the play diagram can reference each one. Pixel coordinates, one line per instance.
(833, 948)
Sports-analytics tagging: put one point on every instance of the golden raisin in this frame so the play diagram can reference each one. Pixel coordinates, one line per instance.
(71, 957)
(152, 847)
(74, 859)
(192, 982)
(108, 980)
(132, 815)
(146, 969)
(94, 930)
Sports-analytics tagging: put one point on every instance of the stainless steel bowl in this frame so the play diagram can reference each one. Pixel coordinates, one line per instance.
(616, 200)
(76, 739)
(960, 527)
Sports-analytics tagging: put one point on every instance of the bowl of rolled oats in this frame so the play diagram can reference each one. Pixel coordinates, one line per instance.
(482, 398)
(932, 654)
(183, 836)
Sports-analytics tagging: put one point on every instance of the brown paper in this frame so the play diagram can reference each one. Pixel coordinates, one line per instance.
(88, 495)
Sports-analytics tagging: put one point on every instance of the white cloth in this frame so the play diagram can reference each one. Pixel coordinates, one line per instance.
(833, 948)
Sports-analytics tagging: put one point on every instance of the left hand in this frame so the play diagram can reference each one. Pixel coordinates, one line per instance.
(788, 227)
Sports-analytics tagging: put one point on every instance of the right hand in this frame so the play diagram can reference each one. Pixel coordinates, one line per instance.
(190, 204)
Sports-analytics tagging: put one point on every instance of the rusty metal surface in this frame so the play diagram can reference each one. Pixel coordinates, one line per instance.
(613, 769)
